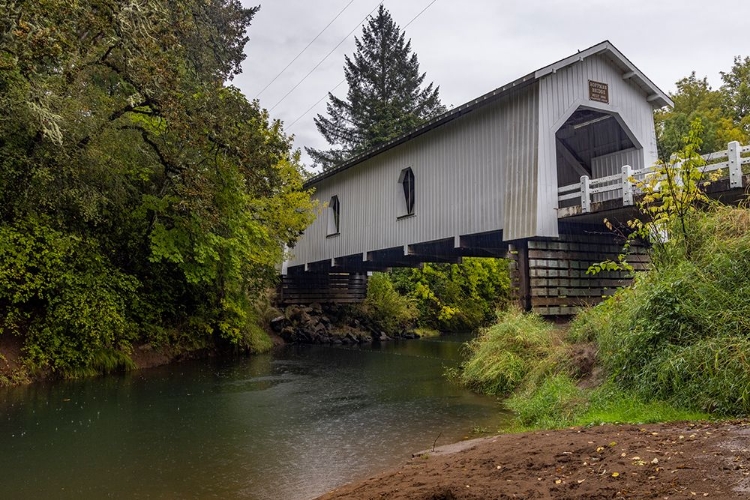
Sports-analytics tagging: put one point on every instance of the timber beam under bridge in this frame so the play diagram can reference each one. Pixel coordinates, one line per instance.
(548, 275)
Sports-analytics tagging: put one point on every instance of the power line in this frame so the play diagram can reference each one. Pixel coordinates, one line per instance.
(314, 105)
(323, 60)
(420, 13)
(342, 81)
(303, 50)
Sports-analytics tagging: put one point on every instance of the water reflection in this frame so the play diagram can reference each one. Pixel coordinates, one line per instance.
(289, 425)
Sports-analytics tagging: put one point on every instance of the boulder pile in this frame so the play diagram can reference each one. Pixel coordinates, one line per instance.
(329, 324)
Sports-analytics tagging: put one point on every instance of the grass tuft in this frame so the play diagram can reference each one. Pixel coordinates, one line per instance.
(551, 404)
(609, 404)
(503, 355)
(102, 361)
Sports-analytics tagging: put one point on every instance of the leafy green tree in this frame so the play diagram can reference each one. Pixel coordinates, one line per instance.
(694, 99)
(385, 99)
(723, 113)
(456, 297)
(385, 308)
(736, 93)
(121, 143)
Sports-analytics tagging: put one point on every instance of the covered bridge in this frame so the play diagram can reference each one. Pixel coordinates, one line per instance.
(483, 179)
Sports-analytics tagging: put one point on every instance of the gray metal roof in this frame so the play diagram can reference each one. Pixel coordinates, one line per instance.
(655, 96)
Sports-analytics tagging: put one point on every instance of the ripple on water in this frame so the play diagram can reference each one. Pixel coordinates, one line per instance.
(290, 425)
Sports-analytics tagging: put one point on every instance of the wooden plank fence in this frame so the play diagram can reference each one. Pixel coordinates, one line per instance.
(730, 161)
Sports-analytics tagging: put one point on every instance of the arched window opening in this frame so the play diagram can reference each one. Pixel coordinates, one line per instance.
(334, 215)
(406, 180)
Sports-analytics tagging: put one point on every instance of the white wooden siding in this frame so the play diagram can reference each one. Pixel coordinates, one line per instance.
(611, 164)
(460, 184)
(521, 188)
(493, 168)
(564, 91)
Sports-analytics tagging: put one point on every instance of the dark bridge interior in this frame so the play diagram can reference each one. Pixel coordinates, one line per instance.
(586, 135)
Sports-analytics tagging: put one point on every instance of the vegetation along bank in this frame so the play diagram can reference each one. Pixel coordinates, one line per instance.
(143, 201)
(674, 345)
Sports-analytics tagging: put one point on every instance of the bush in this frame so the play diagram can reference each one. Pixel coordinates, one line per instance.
(59, 291)
(456, 297)
(712, 374)
(385, 308)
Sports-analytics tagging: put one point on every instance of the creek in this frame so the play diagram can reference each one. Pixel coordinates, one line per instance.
(288, 425)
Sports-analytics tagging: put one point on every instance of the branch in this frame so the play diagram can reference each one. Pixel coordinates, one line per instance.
(169, 167)
(112, 117)
(106, 55)
(122, 75)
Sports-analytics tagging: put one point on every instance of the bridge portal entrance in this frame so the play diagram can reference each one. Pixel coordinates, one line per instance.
(596, 144)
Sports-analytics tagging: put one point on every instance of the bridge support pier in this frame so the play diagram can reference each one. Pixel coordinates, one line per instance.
(518, 254)
(324, 287)
(550, 276)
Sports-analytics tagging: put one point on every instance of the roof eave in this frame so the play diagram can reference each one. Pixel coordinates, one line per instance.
(434, 123)
(655, 97)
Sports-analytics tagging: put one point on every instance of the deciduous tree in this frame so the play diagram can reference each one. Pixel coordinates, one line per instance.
(121, 141)
(723, 112)
(736, 93)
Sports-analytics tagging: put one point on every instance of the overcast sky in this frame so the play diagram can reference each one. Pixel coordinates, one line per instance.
(470, 47)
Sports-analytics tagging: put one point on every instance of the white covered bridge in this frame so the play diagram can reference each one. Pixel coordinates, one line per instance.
(492, 175)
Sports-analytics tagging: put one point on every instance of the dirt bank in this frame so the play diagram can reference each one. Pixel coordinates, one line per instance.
(667, 461)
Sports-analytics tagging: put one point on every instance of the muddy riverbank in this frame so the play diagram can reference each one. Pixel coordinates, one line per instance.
(659, 461)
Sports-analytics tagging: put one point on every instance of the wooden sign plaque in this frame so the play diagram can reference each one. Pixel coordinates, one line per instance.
(598, 92)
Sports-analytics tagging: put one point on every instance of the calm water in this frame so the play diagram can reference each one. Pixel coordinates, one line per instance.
(289, 425)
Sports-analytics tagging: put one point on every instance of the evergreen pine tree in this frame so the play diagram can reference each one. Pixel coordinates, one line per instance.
(385, 97)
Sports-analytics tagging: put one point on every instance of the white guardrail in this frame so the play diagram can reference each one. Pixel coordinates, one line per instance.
(587, 188)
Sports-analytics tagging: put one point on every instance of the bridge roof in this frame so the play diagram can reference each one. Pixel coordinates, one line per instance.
(654, 94)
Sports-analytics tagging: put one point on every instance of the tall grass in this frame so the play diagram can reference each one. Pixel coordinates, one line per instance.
(518, 347)
(609, 403)
(256, 337)
(103, 361)
(558, 401)
(554, 401)
(525, 358)
(681, 333)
